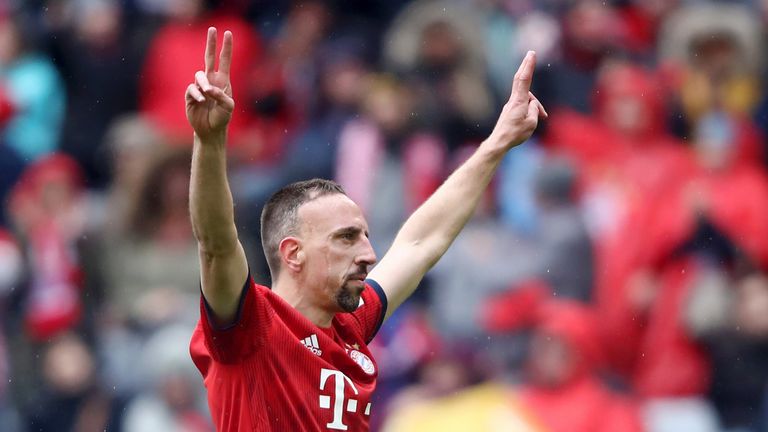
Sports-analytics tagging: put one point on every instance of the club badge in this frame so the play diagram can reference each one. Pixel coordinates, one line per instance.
(362, 360)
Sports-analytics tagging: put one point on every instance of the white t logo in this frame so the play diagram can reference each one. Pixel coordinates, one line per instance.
(338, 403)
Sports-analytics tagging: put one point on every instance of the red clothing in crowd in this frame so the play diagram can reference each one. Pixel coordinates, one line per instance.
(735, 200)
(670, 363)
(274, 370)
(174, 56)
(626, 162)
(45, 204)
(581, 403)
(7, 107)
(584, 405)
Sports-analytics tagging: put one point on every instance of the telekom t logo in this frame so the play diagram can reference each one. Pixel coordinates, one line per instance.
(341, 381)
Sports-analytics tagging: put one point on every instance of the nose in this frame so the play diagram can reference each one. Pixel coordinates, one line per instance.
(367, 256)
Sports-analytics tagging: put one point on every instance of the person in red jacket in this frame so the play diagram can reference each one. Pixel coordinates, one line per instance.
(173, 55)
(626, 160)
(562, 391)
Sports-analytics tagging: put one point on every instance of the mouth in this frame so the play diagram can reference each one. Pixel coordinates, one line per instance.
(357, 281)
(357, 277)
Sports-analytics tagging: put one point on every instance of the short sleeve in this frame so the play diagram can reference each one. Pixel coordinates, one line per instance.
(370, 314)
(246, 334)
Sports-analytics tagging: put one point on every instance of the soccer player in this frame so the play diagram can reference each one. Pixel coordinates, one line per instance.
(295, 357)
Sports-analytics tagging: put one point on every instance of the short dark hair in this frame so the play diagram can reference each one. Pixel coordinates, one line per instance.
(279, 218)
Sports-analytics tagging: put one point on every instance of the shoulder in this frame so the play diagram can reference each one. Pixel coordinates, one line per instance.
(370, 313)
(374, 292)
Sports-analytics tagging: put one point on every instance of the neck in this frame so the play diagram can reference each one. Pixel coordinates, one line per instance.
(295, 293)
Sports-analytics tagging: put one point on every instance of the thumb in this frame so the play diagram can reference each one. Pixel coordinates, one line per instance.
(533, 111)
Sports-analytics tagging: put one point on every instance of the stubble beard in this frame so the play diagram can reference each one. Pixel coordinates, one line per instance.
(348, 297)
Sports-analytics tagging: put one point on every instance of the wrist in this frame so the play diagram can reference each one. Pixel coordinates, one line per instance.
(494, 147)
(212, 139)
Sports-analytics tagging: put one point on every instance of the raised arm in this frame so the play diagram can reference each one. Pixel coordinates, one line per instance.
(209, 106)
(431, 229)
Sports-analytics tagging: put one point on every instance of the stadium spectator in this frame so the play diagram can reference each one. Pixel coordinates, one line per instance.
(71, 397)
(173, 400)
(35, 90)
(134, 146)
(714, 49)
(138, 286)
(434, 46)
(626, 159)
(591, 32)
(33, 96)
(729, 316)
(385, 162)
(48, 213)
(172, 55)
(100, 56)
(563, 391)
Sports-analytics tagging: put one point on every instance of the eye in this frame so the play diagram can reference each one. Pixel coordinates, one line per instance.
(348, 236)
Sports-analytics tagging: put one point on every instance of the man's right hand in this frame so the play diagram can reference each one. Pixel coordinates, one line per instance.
(209, 99)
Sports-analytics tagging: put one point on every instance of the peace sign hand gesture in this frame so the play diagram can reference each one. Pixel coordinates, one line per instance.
(209, 99)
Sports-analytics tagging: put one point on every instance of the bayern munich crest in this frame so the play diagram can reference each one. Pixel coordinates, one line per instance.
(363, 361)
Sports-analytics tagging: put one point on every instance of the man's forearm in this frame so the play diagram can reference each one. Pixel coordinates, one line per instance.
(211, 205)
(436, 223)
(428, 233)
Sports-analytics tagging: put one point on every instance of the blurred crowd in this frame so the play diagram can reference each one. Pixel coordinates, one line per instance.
(615, 277)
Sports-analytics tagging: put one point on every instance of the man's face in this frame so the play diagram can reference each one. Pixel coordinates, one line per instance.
(334, 236)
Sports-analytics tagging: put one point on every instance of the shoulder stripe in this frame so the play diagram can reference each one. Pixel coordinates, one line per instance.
(383, 299)
(209, 311)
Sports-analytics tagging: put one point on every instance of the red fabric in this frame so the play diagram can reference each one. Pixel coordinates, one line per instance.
(739, 206)
(575, 323)
(516, 308)
(749, 147)
(582, 404)
(622, 179)
(266, 134)
(734, 200)
(670, 363)
(625, 171)
(641, 28)
(260, 376)
(173, 57)
(621, 82)
(55, 168)
(7, 108)
(41, 202)
(54, 299)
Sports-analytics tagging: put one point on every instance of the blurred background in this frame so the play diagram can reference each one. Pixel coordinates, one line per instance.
(615, 277)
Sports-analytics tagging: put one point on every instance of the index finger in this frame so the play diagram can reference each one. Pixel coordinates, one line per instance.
(225, 58)
(522, 83)
(210, 50)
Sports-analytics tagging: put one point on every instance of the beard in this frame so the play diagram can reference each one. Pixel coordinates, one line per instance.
(348, 297)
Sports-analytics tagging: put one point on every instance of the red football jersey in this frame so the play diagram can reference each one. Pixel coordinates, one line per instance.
(274, 370)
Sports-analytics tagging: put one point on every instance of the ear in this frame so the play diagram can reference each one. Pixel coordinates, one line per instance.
(292, 253)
